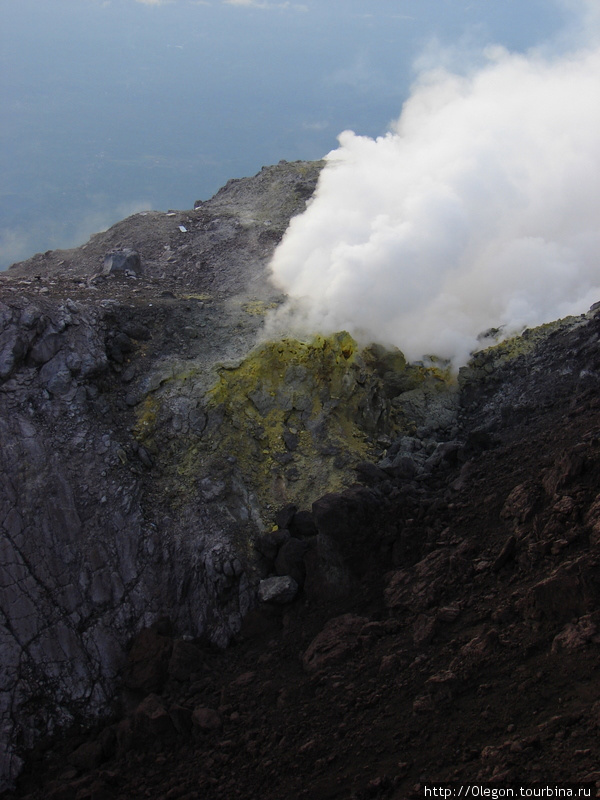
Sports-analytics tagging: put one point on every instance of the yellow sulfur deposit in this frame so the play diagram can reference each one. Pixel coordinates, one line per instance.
(291, 421)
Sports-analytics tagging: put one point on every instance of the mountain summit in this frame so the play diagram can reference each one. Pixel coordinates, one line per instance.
(235, 566)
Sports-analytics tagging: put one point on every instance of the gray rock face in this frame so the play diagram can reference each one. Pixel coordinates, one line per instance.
(82, 566)
(95, 544)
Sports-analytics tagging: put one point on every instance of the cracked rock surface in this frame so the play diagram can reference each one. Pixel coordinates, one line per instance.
(90, 552)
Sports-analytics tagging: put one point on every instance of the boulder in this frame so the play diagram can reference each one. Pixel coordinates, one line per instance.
(87, 756)
(268, 544)
(570, 591)
(349, 520)
(569, 466)
(122, 262)
(449, 452)
(370, 474)
(282, 589)
(186, 659)
(405, 467)
(151, 719)
(577, 636)
(181, 717)
(290, 560)
(522, 502)
(285, 515)
(327, 575)
(206, 719)
(339, 637)
(148, 661)
(302, 524)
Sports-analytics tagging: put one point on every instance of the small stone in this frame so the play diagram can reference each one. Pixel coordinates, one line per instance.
(423, 704)
(388, 664)
(122, 262)
(207, 719)
(87, 756)
(424, 629)
(282, 589)
(151, 717)
(245, 679)
(68, 775)
(181, 718)
(339, 637)
(145, 457)
(448, 613)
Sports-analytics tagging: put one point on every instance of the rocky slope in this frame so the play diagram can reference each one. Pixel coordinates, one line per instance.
(149, 438)
(430, 609)
(101, 533)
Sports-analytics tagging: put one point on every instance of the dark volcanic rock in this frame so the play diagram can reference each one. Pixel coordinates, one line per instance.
(348, 521)
(126, 261)
(302, 524)
(290, 560)
(337, 639)
(151, 720)
(186, 659)
(148, 661)
(93, 549)
(206, 719)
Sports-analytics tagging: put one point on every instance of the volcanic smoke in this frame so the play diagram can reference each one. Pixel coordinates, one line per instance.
(479, 208)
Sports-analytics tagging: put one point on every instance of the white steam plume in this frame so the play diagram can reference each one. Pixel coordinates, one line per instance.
(480, 208)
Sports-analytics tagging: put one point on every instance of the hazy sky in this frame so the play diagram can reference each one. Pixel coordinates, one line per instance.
(111, 106)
